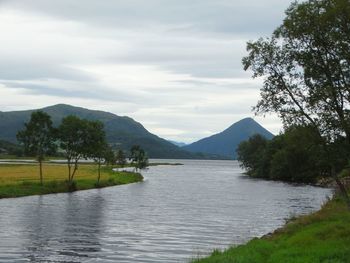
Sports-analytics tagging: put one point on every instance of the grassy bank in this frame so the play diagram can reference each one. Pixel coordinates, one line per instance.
(22, 179)
(320, 237)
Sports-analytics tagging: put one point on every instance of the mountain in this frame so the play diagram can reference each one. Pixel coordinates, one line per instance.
(225, 143)
(122, 132)
(179, 144)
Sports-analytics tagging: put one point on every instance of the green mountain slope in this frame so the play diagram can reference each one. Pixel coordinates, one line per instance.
(122, 132)
(225, 143)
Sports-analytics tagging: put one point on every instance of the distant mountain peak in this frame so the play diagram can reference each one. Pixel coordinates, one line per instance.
(179, 144)
(120, 131)
(225, 143)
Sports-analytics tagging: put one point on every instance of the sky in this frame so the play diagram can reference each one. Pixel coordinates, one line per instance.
(172, 65)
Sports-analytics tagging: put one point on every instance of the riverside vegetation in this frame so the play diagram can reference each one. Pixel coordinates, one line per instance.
(320, 237)
(18, 180)
(77, 139)
(305, 66)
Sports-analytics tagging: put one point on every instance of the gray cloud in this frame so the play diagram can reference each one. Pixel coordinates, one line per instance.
(173, 65)
(219, 16)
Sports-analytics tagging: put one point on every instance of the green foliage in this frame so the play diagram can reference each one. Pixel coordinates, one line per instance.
(251, 155)
(109, 156)
(73, 137)
(138, 157)
(318, 238)
(38, 137)
(96, 145)
(306, 65)
(81, 138)
(8, 148)
(27, 188)
(120, 158)
(295, 156)
(306, 70)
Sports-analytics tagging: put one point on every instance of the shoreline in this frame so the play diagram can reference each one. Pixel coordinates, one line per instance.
(28, 184)
(22, 180)
(324, 234)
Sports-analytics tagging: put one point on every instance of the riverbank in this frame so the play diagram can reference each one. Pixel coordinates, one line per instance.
(323, 236)
(17, 180)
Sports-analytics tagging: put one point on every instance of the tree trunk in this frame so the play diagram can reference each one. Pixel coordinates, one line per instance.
(342, 188)
(99, 172)
(41, 171)
(69, 168)
(75, 169)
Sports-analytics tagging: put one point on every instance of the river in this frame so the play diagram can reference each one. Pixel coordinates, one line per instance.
(177, 213)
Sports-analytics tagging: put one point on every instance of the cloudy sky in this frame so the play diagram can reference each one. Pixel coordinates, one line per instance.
(173, 65)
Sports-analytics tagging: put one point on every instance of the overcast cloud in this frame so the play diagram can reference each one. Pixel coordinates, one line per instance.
(173, 65)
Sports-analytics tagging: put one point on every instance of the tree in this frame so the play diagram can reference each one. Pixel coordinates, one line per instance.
(296, 156)
(38, 137)
(95, 144)
(138, 157)
(73, 136)
(120, 158)
(251, 154)
(306, 70)
(109, 156)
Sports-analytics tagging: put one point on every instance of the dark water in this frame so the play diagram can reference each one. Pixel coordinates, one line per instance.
(177, 213)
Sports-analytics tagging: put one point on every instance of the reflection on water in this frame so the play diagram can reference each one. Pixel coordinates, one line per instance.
(177, 213)
(56, 230)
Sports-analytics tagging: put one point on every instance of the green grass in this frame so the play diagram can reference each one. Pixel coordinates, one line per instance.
(320, 237)
(23, 180)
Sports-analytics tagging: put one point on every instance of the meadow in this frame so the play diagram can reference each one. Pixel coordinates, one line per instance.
(23, 179)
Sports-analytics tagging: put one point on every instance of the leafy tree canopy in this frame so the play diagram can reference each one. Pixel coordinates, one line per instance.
(38, 137)
(306, 67)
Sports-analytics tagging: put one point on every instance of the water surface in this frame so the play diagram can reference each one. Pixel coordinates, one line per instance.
(177, 213)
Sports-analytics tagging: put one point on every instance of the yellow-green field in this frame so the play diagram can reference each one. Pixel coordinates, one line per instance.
(23, 179)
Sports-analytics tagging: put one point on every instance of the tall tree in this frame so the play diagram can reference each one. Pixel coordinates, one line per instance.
(138, 157)
(73, 136)
(109, 156)
(250, 154)
(306, 70)
(96, 145)
(38, 137)
(120, 158)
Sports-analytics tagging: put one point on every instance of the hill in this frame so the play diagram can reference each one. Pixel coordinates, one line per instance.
(225, 143)
(122, 132)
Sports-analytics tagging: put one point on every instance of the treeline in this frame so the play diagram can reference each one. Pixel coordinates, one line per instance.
(8, 148)
(75, 139)
(297, 155)
(305, 68)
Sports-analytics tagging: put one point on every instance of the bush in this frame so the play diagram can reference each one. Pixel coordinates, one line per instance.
(294, 156)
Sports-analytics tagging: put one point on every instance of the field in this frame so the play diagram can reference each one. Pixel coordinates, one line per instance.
(23, 179)
(320, 237)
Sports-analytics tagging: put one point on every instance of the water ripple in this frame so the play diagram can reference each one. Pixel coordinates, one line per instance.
(178, 213)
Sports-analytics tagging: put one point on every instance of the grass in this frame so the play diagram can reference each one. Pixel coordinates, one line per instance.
(23, 179)
(320, 237)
